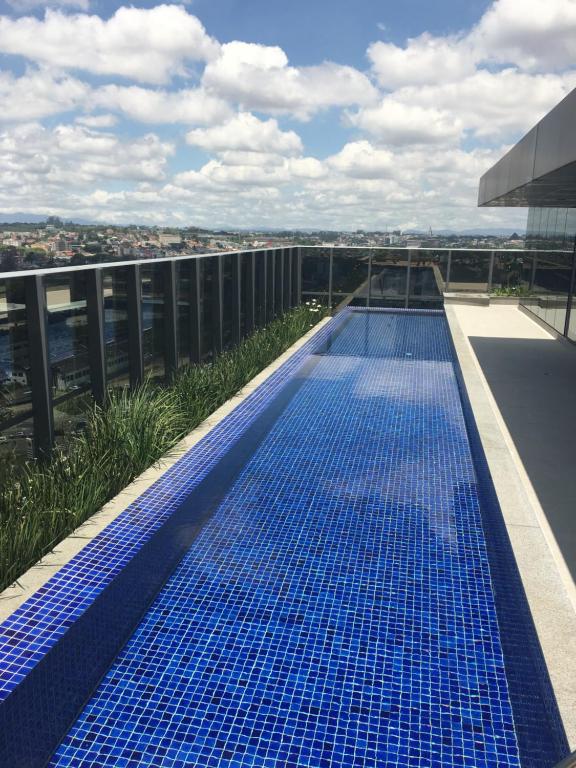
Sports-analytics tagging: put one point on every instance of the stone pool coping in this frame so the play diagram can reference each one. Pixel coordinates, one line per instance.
(40, 573)
(547, 584)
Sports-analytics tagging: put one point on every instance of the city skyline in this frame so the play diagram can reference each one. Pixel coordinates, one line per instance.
(244, 115)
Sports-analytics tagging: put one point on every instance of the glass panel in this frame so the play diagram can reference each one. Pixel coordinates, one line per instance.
(551, 284)
(442, 262)
(287, 278)
(315, 274)
(207, 278)
(469, 271)
(426, 280)
(228, 289)
(270, 284)
(67, 320)
(261, 287)
(511, 270)
(153, 319)
(245, 294)
(183, 293)
(116, 326)
(16, 428)
(389, 275)
(350, 276)
(279, 281)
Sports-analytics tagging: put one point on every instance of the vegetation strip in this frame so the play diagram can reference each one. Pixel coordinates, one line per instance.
(42, 502)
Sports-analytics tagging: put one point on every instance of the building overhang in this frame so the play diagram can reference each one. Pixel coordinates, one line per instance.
(540, 170)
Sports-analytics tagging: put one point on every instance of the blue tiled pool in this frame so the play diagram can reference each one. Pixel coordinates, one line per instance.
(340, 606)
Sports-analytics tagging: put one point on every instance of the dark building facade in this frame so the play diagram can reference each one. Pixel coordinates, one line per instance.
(539, 172)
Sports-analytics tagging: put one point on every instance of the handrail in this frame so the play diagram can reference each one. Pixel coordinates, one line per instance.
(568, 762)
(50, 271)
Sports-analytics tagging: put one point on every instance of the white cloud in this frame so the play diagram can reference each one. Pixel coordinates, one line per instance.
(361, 160)
(398, 123)
(493, 104)
(38, 94)
(532, 34)
(247, 133)
(258, 77)
(424, 59)
(193, 106)
(74, 156)
(145, 44)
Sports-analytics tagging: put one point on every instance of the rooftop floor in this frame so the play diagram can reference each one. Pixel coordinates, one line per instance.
(521, 382)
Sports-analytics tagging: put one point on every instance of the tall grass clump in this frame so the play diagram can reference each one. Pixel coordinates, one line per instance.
(41, 502)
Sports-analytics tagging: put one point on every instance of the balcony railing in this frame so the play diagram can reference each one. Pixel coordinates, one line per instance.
(67, 335)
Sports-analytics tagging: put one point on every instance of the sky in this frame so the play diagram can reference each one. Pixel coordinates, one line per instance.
(260, 113)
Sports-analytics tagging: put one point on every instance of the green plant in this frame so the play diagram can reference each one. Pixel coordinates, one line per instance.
(42, 502)
(511, 290)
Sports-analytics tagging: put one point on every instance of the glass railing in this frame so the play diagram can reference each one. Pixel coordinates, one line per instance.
(68, 335)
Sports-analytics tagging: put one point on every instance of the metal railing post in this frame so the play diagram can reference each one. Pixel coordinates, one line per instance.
(195, 311)
(96, 343)
(135, 348)
(448, 267)
(369, 296)
(43, 414)
(330, 270)
(170, 318)
(217, 305)
(237, 298)
(490, 271)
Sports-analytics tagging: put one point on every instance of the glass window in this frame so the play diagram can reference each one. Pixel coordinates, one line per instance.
(153, 319)
(426, 281)
(228, 289)
(114, 282)
(207, 282)
(246, 293)
(350, 276)
(261, 287)
(278, 281)
(469, 271)
(184, 299)
(67, 331)
(511, 270)
(16, 427)
(315, 274)
(389, 277)
(551, 284)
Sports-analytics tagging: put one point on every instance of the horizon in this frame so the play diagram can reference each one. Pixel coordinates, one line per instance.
(245, 116)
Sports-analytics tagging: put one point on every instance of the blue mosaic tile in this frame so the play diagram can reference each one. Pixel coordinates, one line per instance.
(338, 608)
(33, 629)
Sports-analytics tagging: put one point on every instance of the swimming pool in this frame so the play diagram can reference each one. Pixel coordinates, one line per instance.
(339, 603)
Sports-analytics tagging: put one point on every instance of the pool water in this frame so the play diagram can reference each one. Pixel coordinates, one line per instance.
(337, 608)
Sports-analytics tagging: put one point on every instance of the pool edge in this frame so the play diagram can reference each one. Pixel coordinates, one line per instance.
(549, 591)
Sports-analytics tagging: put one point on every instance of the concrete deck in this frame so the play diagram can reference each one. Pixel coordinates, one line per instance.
(522, 386)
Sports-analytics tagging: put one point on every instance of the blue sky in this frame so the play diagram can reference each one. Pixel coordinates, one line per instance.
(252, 113)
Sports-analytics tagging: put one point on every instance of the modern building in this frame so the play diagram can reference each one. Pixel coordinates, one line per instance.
(539, 172)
